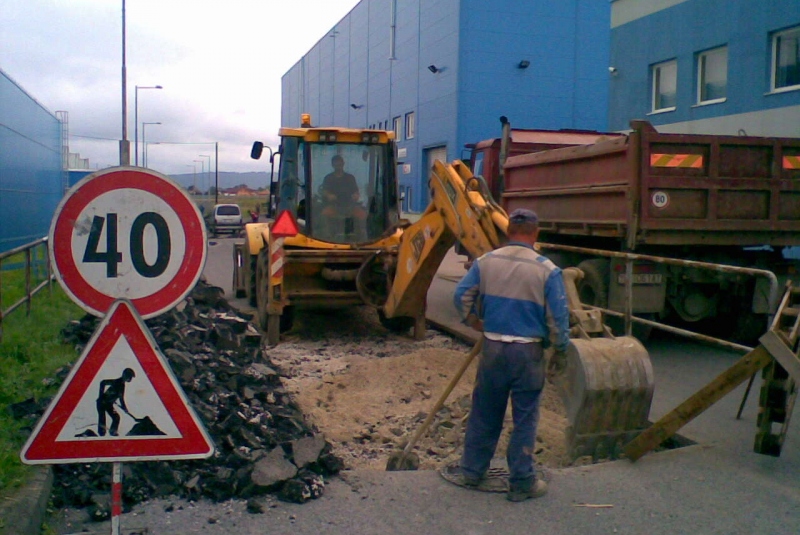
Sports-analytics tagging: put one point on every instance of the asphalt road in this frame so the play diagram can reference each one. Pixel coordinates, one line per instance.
(717, 486)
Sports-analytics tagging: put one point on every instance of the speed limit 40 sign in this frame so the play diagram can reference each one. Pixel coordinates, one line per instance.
(127, 233)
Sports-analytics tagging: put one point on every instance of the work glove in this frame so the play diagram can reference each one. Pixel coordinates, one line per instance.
(556, 364)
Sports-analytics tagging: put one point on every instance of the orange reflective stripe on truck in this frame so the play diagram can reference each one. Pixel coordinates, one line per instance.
(791, 162)
(694, 161)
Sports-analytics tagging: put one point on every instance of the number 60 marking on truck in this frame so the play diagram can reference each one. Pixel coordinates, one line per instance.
(127, 233)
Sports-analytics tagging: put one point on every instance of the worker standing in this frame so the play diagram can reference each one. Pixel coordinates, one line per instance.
(516, 297)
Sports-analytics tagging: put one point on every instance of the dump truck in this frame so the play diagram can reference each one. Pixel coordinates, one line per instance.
(726, 200)
(487, 158)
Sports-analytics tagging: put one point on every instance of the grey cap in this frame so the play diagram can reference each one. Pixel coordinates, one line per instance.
(521, 215)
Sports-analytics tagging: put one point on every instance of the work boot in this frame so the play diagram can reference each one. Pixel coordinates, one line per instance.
(525, 491)
(469, 480)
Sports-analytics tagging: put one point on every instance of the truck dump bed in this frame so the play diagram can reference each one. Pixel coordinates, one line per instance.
(664, 189)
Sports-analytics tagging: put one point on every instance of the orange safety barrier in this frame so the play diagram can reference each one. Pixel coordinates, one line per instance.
(694, 161)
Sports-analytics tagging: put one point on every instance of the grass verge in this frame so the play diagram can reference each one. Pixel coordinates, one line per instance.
(30, 353)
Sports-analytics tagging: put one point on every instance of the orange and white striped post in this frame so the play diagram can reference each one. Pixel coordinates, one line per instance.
(276, 260)
(116, 497)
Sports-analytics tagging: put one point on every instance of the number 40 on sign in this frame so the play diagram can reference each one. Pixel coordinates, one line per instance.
(127, 233)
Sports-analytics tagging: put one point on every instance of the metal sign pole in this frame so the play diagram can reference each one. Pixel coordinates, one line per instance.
(116, 497)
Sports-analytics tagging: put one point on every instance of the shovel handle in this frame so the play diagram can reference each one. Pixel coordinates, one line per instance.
(440, 402)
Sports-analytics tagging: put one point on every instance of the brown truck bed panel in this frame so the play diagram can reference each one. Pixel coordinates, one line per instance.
(665, 188)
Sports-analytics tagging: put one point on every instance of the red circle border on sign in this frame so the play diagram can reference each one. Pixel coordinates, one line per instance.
(97, 302)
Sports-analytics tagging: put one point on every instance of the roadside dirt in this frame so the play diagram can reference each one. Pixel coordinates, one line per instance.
(368, 390)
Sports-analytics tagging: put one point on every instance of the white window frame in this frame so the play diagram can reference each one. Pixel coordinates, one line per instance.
(655, 74)
(702, 62)
(774, 67)
(410, 125)
(397, 125)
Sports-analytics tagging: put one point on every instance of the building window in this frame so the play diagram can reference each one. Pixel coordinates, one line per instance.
(786, 60)
(665, 83)
(397, 125)
(410, 125)
(712, 75)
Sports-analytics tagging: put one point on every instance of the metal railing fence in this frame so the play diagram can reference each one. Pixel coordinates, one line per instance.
(37, 262)
(628, 316)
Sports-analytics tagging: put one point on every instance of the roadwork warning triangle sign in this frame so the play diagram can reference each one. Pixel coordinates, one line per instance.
(121, 402)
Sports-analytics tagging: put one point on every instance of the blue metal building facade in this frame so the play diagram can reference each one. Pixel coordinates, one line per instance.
(647, 33)
(442, 72)
(31, 175)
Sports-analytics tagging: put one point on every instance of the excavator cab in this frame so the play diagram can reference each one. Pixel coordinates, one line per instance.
(339, 184)
(337, 190)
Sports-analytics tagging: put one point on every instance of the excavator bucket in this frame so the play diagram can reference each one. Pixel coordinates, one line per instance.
(606, 385)
(607, 388)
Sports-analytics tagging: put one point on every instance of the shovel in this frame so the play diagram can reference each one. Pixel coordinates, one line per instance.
(406, 459)
(128, 413)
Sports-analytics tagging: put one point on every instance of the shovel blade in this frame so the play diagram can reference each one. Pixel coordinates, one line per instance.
(400, 461)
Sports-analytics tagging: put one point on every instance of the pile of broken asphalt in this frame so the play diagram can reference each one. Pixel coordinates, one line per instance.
(263, 442)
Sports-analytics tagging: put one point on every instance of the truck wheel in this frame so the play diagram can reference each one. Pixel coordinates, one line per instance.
(249, 265)
(286, 319)
(593, 289)
(238, 260)
(399, 324)
(261, 290)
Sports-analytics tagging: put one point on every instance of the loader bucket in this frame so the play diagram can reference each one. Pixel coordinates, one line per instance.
(607, 387)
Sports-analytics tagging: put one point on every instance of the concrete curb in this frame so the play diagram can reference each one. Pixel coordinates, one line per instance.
(23, 512)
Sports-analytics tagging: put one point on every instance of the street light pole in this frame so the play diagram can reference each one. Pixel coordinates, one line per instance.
(216, 159)
(194, 176)
(144, 142)
(202, 167)
(124, 145)
(136, 119)
(209, 167)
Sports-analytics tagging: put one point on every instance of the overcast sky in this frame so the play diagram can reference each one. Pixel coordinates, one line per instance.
(220, 63)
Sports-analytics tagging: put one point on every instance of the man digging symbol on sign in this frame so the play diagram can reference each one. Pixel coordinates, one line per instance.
(112, 394)
(112, 390)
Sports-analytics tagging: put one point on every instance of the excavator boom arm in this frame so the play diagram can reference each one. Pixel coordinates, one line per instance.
(607, 382)
(461, 209)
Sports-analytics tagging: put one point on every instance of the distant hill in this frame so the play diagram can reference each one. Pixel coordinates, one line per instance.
(226, 180)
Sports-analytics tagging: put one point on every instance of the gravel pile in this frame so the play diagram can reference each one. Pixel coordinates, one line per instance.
(263, 441)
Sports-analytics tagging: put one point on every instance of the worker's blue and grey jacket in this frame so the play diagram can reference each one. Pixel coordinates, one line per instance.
(519, 294)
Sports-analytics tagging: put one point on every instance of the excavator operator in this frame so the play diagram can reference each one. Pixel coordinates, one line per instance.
(340, 192)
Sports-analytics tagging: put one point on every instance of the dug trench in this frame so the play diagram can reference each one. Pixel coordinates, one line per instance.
(369, 398)
(339, 393)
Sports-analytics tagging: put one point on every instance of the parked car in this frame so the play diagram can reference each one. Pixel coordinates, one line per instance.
(225, 218)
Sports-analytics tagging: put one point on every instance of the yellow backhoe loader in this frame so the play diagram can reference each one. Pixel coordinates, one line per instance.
(324, 252)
